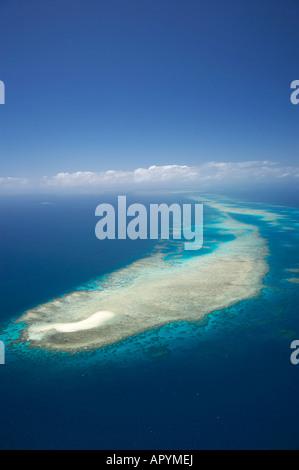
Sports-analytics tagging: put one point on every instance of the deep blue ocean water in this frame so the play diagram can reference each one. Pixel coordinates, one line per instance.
(223, 383)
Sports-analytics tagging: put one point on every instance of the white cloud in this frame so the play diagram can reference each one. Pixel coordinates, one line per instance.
(10, 183)
(207, 175)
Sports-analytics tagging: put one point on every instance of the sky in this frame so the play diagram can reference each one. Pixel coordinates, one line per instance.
(105, 92)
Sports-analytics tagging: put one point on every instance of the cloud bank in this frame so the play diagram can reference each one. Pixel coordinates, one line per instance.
(209, 175)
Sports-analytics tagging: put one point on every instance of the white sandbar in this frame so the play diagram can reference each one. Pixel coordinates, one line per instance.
(94, 321)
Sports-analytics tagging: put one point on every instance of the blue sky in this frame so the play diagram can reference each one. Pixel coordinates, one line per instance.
(95, 85)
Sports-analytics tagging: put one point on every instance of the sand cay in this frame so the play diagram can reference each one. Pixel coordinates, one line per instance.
(152, 292)
(92, 322)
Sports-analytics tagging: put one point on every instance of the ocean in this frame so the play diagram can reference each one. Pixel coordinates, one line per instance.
(225, 382)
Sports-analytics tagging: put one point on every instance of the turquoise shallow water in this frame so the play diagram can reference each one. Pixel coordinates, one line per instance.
(223, 382)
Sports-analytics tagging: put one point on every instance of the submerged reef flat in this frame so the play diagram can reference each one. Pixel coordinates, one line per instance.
(268, 216)
(293, 280)
(152, 292)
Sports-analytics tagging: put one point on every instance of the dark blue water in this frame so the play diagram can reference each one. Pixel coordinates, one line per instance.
(226, 382)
